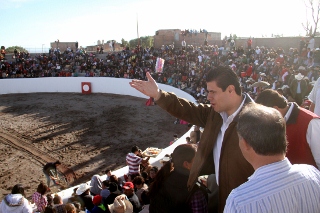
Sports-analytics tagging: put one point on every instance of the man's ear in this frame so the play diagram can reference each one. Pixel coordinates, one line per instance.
(231, 88)
(246, 145)
(186, 165)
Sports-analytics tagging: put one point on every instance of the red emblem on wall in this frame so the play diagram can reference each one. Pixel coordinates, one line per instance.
(86, 87)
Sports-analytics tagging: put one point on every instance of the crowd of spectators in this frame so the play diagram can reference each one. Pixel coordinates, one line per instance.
(185, 67)
(109, 194)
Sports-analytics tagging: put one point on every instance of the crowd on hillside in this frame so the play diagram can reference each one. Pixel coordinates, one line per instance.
(185, 67)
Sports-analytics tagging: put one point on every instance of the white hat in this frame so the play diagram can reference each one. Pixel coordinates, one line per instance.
(302, 68)
(165, 159)
(250, 80)
(82, 188)
(262, 74)
(299, 77)
(121, 205)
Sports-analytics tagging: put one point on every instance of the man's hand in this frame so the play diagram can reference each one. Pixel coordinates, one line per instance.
(149, 88)
(145, 160)
(53, 178)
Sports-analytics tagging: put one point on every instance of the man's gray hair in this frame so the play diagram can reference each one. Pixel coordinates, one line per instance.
(263, 128)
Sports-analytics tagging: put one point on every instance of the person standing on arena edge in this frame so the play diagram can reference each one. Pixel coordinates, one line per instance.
(50, 171)
(134, 159)
(219, 140)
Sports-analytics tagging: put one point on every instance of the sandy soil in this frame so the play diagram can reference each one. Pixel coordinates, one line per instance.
(87, 133)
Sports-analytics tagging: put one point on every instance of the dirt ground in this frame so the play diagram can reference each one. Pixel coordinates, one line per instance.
(87, 133)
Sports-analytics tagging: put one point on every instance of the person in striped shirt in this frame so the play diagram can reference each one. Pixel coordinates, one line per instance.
(276, 185)
(134, 159)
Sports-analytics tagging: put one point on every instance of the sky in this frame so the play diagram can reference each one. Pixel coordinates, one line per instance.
(36, 23)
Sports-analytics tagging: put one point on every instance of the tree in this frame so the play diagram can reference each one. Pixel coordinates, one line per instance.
(124, 43)
(312, 16)
(234, 36)
(146, 41)
(19, 49)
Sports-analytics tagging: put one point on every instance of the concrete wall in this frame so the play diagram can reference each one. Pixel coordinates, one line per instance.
(283, 42)
(166, 37)
(63, 45)
(99, 85)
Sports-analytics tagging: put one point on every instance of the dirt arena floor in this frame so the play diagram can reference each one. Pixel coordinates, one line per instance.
(87, 133)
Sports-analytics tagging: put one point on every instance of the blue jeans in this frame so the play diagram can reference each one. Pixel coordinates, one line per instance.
(49, 179)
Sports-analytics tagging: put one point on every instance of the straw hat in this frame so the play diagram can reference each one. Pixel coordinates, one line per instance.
(121, 205)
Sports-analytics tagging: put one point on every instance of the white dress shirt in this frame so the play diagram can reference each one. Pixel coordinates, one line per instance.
(279, 187)
(217, 147)
(314, 96)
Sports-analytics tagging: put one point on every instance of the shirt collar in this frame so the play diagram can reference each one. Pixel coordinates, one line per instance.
(229, 119)
(286, 117)
(271, 169)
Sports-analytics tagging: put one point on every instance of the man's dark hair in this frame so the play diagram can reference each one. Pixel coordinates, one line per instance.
(18, 189)
(182, 153)
(271, 98)
(105, 183)
(57, 199)
(57, 162)
(77, 205)
(224, 77)
(108, 170)
(155, 169)
(134, 149)
(263, 128)
(42, 188)
(138, 180)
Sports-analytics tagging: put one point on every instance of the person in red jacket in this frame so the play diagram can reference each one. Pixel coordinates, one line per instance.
(303, 128)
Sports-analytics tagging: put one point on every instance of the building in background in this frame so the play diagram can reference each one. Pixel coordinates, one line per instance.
(176, 36)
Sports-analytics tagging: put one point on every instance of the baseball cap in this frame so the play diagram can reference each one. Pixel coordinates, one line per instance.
(97, 200)
(128, 185)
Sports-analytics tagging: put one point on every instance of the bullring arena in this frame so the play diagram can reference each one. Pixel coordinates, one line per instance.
(46, 119)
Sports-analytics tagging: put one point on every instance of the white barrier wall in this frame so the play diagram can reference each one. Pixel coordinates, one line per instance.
(98, 85)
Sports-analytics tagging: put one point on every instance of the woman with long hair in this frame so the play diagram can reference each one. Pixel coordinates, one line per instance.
(169, 192)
